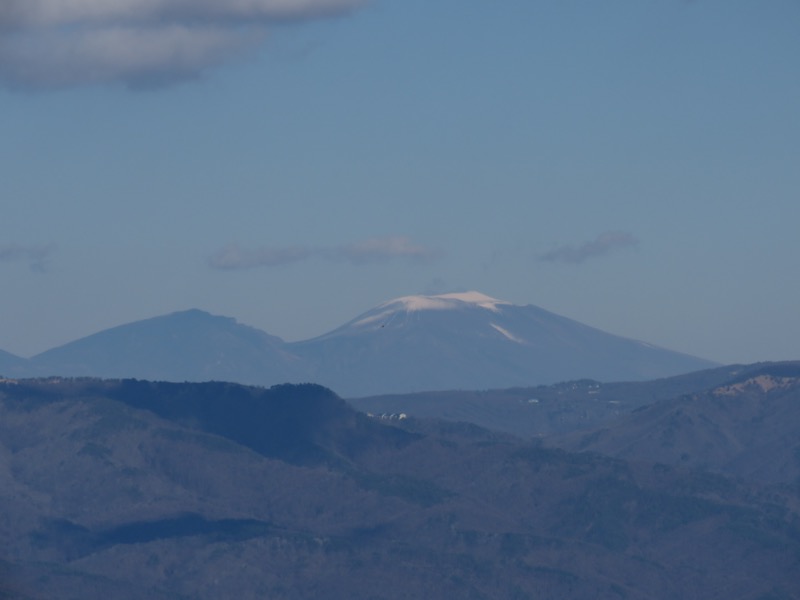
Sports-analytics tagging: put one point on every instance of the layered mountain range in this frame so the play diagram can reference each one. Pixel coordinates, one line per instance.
(450, 341)
(737, 420)
(747, 426)
(132, 489)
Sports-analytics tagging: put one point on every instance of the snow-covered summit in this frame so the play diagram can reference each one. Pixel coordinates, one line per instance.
(444, 302)
(462, 340)
(470, 340)
(408, 304)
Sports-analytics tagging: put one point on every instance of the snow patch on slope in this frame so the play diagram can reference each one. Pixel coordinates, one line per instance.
(381, 316)
(414, 303)
(508, 334)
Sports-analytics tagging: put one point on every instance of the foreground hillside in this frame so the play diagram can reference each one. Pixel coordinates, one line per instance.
(739, 420)
(747, 426)
(129, 489)
(546, 410)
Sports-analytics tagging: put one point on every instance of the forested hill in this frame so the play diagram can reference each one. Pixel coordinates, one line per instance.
(132, 489)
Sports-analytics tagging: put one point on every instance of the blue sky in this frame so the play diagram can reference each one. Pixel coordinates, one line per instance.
(291, 163)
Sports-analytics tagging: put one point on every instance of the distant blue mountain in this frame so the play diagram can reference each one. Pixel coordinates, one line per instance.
(184, 346)
(11, 365)
(472, 341)
(414, 343)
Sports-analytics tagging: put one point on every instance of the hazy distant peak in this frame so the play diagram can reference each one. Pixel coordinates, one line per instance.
(444, 302)
(193, 313)
(192, 317)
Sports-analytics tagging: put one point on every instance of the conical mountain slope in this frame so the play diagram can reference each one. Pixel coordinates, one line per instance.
(190, 345)
(10, 364)
(472, 341)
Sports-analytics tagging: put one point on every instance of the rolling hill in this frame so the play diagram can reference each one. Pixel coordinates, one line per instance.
(548, 410)
(131, 489)
(744, 427)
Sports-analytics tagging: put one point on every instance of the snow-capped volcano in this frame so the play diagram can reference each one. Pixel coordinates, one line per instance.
(414, 343)
(385, 313)
(473, 341)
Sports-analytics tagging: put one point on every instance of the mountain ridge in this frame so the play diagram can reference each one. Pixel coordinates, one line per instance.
(185, 345)
(743, 427)
(134, 489)
(413, 343)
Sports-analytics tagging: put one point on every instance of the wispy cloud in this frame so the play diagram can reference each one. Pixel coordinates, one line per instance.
(381, 249)
(61, 43)
(600, 246)
(36, 255)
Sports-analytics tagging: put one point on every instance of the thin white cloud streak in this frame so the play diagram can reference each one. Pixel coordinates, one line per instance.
(600, 246)
(50, 13)
(141, 57)
(374, 250)
(49, 44)
(36, 256)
